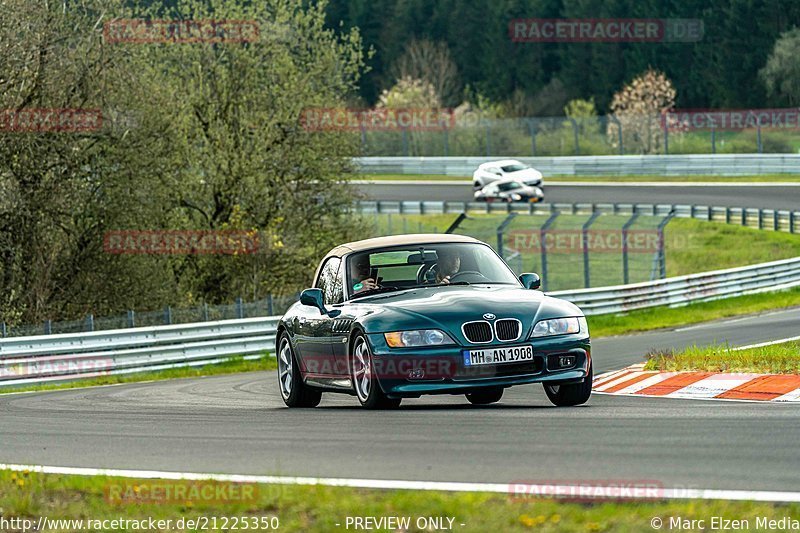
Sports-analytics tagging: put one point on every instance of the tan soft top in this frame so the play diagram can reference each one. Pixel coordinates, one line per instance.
(398, 240)
(393, 240)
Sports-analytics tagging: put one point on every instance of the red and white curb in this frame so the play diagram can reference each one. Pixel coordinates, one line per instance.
(635, 381)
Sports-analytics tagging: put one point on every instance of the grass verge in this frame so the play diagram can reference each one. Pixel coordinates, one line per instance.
(774, 359)
(236, 364)
(318, 508)
(622, 179)
(666, 317)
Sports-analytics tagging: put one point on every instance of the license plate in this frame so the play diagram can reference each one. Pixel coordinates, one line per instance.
(498, 355)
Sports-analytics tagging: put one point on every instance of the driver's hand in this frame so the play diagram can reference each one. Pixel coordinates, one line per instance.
(369, 284)
(445, 280)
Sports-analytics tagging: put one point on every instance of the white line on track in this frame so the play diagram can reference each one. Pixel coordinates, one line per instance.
(716, 323)
(525, 488)
(762, 344)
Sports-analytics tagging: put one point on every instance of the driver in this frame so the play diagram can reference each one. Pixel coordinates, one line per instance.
(360, 274)
(448, 266)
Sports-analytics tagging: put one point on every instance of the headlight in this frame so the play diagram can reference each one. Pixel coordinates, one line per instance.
(516, 196)
(417, 337)
(556, 326)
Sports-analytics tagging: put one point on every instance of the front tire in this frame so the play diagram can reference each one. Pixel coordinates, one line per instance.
(485, 397)
(294, 392)
(365, 382)
(569, 395)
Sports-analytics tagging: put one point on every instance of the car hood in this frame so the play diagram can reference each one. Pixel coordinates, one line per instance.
(448, 307)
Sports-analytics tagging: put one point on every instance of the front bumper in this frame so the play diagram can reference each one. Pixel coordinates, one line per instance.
(411, 372)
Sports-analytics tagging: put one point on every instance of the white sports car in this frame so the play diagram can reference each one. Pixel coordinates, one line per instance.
(506, 169)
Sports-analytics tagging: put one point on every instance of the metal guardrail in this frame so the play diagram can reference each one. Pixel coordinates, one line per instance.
(773, 219)
(607, 165)
(51, 358)
(702, 287)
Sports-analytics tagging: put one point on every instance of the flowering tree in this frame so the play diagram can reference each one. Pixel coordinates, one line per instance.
(639, 109)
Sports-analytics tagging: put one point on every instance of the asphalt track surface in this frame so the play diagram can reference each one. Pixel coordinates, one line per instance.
(765, 196)
(237, 424)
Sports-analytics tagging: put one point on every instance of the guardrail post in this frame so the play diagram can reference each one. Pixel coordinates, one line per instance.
(744, 216)
(758, 136)
(585, 246)
(501, 230)
(619, 133)
(532, 129)
(727, 215)
(713, 140)
(3, 330)
(270, 309)
(760, 218)
(775, 223)
(666, 137)
(239, 308)
(662, 254)
(575, 133)
(167, 315)
(791, 221)
(131, 318)
(488, 140)
(48, 327)
(446, 142)
(89, 322)
(625, 276)
(543, 243)
(405, 142)
(363, 138)
(205, 312)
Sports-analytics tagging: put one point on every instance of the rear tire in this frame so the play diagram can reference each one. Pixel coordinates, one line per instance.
(569, 395)
(365, 382)
(485, 397)
(294, 392)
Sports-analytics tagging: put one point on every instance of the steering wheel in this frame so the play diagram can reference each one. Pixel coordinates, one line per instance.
(423, 270)
(457, 275)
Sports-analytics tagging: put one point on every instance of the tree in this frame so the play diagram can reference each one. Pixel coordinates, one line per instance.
(410, 93)
(432, 63)
(781, 74)
(638, 108)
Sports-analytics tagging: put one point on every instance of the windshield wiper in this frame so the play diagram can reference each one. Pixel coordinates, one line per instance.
(428, 286)
(376, 290)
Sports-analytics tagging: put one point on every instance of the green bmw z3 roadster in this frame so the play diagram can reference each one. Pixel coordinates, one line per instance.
(398, 317)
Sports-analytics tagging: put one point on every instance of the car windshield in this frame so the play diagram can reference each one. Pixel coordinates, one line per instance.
(514, 167)
(509, 186)
(428, 265)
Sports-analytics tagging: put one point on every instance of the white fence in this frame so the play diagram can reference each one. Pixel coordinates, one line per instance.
(605, 165)
(53, 358)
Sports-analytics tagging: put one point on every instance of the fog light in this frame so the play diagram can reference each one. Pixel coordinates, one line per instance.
(565, 361)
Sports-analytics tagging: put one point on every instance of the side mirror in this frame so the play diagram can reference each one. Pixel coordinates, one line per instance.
(530, 281)
(313, 298)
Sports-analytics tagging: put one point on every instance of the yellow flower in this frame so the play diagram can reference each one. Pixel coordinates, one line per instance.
(555, 519)
(527, 520)
(13, 476)
(20, 483)
(593, 526)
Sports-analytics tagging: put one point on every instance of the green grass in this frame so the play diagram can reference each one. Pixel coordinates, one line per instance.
(318, 508)
(235, 365)
(775, 359)
(668, 317)
(632, 178)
